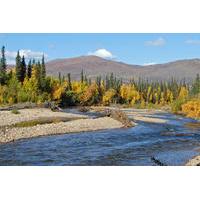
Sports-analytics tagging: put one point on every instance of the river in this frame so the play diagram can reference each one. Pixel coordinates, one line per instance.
(172, 143)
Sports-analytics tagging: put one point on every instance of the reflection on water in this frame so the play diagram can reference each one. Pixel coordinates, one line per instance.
(172, 143)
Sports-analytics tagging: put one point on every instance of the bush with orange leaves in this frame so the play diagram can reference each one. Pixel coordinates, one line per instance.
(192, 108)
(89, 96)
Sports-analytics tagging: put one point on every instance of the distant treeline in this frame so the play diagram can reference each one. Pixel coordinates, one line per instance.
(29, 83)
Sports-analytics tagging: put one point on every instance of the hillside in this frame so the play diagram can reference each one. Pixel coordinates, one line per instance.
(93, 66)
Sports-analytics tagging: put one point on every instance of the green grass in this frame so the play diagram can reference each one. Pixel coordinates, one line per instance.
(40, 121)
(15, 111)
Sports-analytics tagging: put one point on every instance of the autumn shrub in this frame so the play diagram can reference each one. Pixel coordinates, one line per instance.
(129, 94)
(192, 108)
(109, 96)
(89, 96)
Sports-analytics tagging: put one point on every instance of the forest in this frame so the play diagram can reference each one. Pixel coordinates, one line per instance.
(28, 82)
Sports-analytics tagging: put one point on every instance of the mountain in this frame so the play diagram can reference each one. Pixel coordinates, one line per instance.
(94, 66)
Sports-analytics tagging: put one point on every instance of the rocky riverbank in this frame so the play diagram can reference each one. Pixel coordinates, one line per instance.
(11, 131)
(34, 122)
(194, 161)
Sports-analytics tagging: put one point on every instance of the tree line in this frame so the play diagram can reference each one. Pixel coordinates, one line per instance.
(29, 82)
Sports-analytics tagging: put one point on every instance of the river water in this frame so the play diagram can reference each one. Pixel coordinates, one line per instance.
(172, 143)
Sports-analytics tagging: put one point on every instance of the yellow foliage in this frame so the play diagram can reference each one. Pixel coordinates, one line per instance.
(129, 93)
(192, 108)
(183, 94)
(58, 90)
(156, 94)
(2, 91)
(108, 96)
(89, 94)
(149, 94)
(10, 100)
(78, 87)
(162, 100)
(170, 96)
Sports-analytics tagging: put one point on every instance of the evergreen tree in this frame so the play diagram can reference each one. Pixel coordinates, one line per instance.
(63, 78)
(43, 68)
(29, 70)
(23, 69)
(3, 66)
(59, 77)
(40, 80)
(18, 66)
(69, 81)
(196, 86)
(82, 76)
(33, 61)
(111, 80)
(85, 79)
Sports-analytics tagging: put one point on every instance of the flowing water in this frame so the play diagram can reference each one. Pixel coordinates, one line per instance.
(172, 143)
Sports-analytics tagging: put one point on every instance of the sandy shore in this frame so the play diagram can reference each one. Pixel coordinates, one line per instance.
(8, 118)
(9, 133)
(194, 161)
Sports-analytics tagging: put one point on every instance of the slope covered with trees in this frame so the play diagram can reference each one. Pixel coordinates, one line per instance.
(29, 83)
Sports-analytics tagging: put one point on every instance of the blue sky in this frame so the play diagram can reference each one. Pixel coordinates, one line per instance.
(129, 48)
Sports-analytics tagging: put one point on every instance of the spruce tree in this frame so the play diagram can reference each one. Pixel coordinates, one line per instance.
(43, 68)
(82, 76)
(69, 81)
(23, 69)
(29, 70)
(196, 85)
(33, 61)
(18, 66)
(59, 77)
(3, 66)
(39, 69)
(85, 79)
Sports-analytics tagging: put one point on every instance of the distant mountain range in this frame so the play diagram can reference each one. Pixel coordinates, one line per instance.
(93, 66)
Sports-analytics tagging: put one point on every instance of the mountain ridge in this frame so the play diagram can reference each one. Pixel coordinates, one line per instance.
(94, 66)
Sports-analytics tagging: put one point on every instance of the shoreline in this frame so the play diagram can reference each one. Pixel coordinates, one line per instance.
(195, 161)
(71, 121)
(75, 123)
(75, 126)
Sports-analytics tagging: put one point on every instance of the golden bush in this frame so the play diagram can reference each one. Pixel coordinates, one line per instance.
(192, 108)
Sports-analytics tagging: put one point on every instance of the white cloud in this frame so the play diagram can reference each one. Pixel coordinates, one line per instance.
(149, 63)
(103, 53)
(194, 42)
(27, 53)
(158, 42)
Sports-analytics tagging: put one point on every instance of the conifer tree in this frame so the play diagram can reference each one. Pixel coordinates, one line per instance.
(18, 66)
(69, 81)
(82, 76)
(85, 79)
(23, 69)
(3, 66)
(29, 70)
(43, 68)
(59, 77)
(33, 61)
(196, 85)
